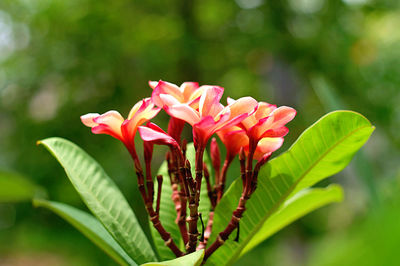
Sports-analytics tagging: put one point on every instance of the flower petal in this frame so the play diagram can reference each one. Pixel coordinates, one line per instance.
(168, 100)
(136, 107)
(209, 101)
(275, 132)
(242, 105)
(109, 123)
(267, 146)
(232, 122)
(203, 130)
(166, 88)
(233, 138)
(188, 88)
(263, 110)
(183, 112)
(156, 135)
(283, 115)
(87, 119)
(139, 115)
(153, 84)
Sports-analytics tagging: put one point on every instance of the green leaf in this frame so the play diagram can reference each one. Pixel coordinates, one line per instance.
(294, 208)
(167, 207)
(192, 259)
(90, 227)
(102, 197)
(321, 151)
(16, 188)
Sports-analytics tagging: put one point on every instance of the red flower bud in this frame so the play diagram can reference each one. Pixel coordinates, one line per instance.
(215, 155)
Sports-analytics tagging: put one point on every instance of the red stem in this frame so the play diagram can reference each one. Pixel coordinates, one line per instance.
(238, 213)
(210, 192)
(194, 202)
(159, 189)
(154, 217)
(222, 179)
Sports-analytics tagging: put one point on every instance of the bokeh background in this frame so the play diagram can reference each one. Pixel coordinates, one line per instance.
(61, 59)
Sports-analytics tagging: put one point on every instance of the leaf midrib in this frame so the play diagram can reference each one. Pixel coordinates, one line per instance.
(291, 188)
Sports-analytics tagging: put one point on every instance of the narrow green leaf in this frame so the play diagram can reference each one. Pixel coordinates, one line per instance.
(102, 197)
(321, 151)
(167, 208)
(90, 227)
(16, 188)
(192, 259)
(294, 208)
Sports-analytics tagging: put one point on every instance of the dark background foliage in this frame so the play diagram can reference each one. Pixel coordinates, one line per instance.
(61, 59)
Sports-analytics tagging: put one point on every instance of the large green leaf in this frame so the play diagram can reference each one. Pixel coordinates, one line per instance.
(192, 259)
(167, 207)
(16, 188)
(90, 227)
(297, 206)
(102, 197)
(321, 151)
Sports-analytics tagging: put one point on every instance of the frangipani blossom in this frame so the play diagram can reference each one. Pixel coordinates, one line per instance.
(212, 116)
(188, 92)
(267, 121)
(113, 124)
(235, 138)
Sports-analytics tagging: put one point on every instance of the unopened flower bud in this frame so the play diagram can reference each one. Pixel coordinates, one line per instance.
(215, 155)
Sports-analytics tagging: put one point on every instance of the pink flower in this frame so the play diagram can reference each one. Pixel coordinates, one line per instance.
(113, 124)
(267, 121)
(211, 116)
(265, 126)
(188, 92)
(235, 138)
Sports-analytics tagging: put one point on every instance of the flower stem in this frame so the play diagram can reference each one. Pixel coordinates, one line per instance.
(238, 213)
(159, 190)
(233, 223)
(154, 216)
(194, 202)
(222, 179)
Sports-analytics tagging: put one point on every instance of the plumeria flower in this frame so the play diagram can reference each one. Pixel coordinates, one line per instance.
(113, 124)
(235, 138)
(188, 92)
(211, 116)
(267, 121)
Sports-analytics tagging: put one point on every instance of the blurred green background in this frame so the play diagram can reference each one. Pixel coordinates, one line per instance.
(61, 59)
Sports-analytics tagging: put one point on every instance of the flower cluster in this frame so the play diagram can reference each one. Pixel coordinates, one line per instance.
(250, 129)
